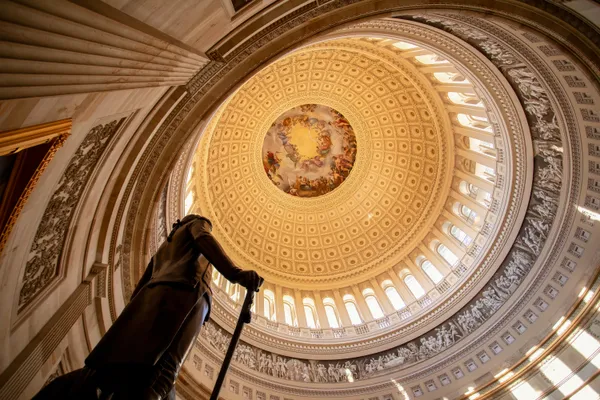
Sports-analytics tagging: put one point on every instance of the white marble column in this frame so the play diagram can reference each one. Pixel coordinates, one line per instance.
(385, 303)
(477, 157)
(435, 259)
(341, 309)
(362, 305)
(259, 301)
(323, 321)
(460, 223)
(481, 183)
(421, 276)
(56, 47)
(279, 305)
(300, 315)
(404, 292)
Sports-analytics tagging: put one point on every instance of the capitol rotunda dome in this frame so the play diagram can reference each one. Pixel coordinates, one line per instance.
(418, 183)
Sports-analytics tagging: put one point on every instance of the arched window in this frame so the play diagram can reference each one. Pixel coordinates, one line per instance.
(404, 45)
(189, 201)
(331, 313)
(289, 311)
(458, 234)
(431, 59)
(235, 293)
(414, 286)
(447, 255)
(392, 293)
(353, 313)
(432, 272)
(467, 99)
(373, 304)
(474, 122)
(311, 313)
(216, 277)
(472, 191)
(482, 147)
(467, 214)
(269, 304)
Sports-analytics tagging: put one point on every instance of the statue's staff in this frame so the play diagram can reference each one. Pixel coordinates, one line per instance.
(245, 318)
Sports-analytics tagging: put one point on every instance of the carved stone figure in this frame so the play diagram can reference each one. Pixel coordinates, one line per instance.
(456, 27)
(548, 130)
(321, 373)
(498, 53)
(477, 314)
(454, 334)
(491, 299)
(504, 285)
(531, 239)
(528, 83)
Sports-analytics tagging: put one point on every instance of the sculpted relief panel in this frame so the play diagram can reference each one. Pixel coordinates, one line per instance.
(427, 346)
(43, 261)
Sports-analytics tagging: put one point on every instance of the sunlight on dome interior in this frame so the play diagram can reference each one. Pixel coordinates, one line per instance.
(417, 183)
(322, 142)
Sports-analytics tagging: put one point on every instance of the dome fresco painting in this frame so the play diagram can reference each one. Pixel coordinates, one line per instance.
(380, 169)
(309, 150)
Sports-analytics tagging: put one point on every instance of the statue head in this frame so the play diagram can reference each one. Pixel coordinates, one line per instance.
(186, 220)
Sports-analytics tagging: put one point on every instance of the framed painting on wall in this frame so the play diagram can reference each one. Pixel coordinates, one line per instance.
(24, 155)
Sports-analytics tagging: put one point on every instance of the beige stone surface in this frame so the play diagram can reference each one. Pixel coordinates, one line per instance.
(198, 23)
(86, 111)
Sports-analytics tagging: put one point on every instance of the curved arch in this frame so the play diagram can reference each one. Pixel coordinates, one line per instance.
(352, 309)
(331, 312)
(414, 286)
(310, 312)
(289, 310)
(373, 303)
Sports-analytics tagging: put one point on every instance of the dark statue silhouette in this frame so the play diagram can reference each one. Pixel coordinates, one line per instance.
(141, 354)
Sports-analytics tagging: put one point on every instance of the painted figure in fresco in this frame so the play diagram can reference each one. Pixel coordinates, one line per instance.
(141, 354)
(271, 163)
(325, 144)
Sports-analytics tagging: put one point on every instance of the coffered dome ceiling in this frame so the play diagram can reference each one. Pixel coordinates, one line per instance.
(380, 198)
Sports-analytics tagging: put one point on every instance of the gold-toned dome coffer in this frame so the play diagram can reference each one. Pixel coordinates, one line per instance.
(309, 150)
(390, 191)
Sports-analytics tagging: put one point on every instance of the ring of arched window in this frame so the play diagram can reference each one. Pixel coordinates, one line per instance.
(432, 272)
(414, 286)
